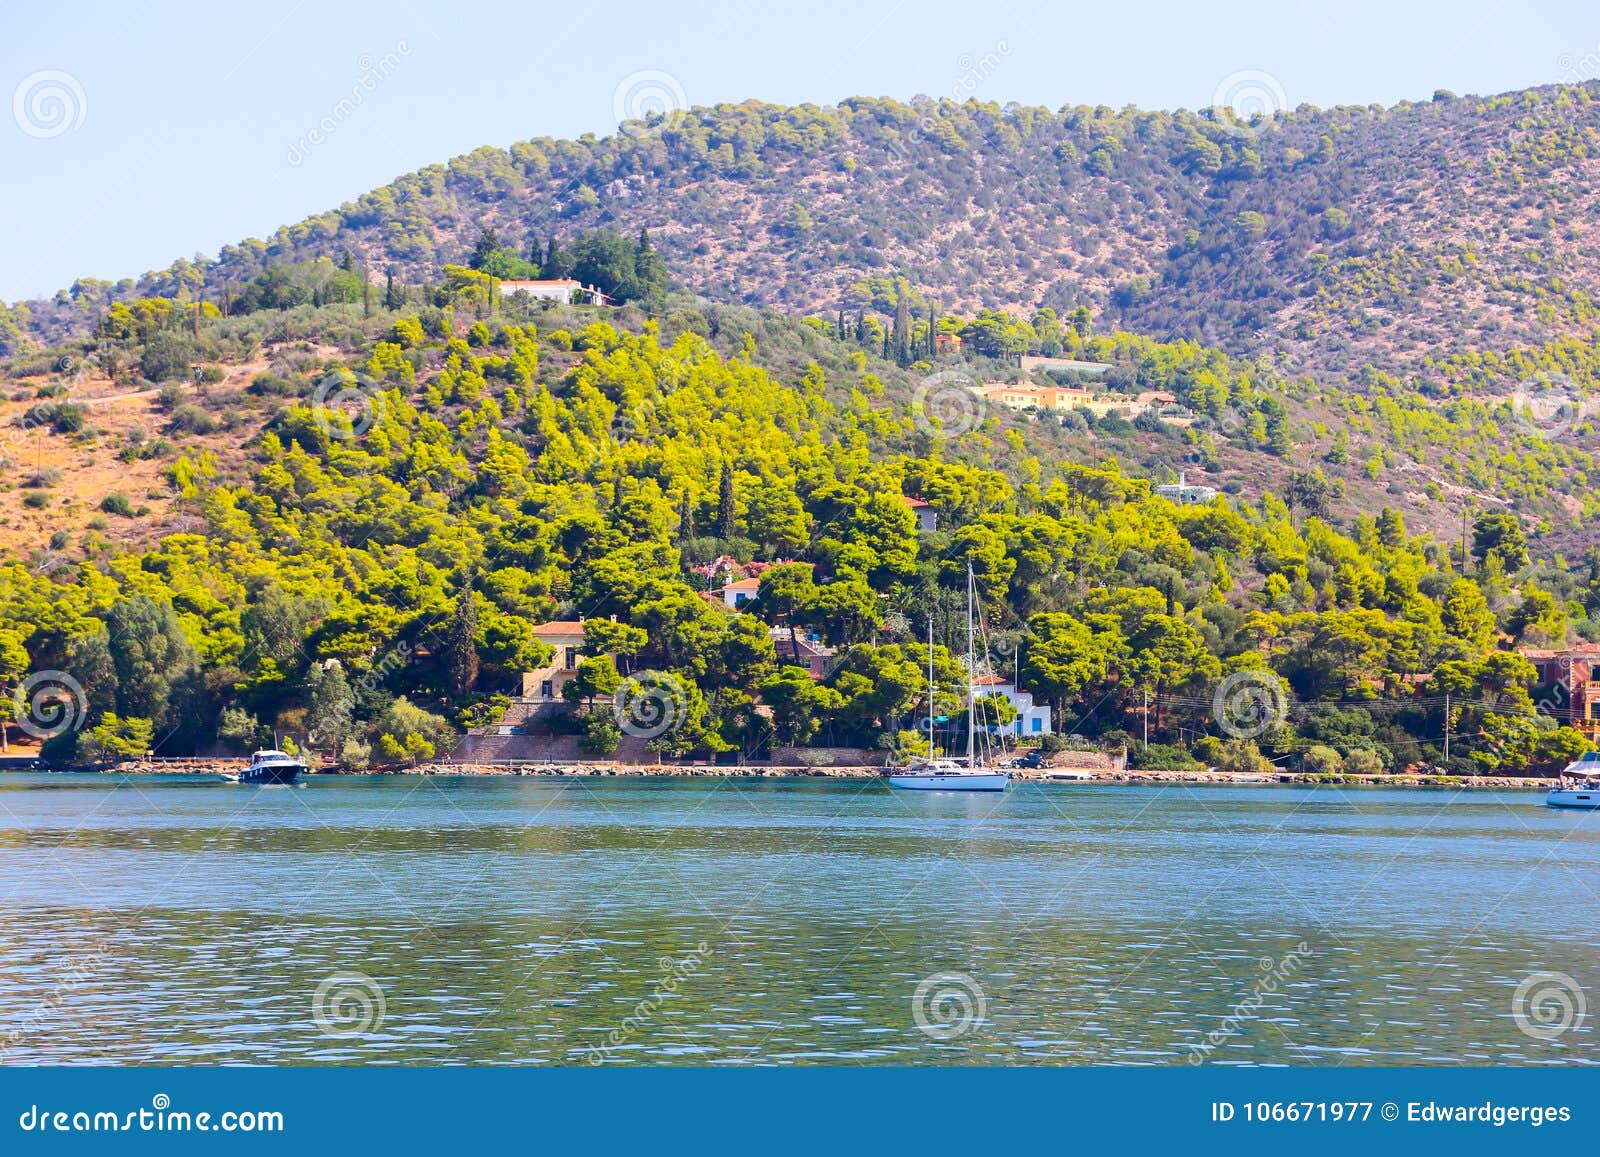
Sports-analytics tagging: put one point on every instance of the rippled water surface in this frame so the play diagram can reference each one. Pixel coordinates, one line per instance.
(412, 920)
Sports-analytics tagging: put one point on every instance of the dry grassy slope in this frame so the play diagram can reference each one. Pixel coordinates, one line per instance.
(85, 469)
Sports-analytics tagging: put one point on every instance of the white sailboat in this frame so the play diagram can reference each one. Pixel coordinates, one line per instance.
(932, 774)
(1582, 791)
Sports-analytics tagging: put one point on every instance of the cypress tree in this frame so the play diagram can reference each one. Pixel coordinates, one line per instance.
(725, 508)
(461, 650)
(685, 517)
(902, 330)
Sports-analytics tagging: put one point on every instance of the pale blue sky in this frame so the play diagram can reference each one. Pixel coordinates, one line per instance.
(184, 118)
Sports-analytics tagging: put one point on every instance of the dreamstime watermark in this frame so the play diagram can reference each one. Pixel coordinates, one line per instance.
(49, 104)
(1577, 69)
(348, 1004)
(344, 392)
(76, 972)
(1549, 405)
(1251, 93)
(1229, 423)
(373, 71)
(673, 973)
(650, 704)
(47, 411)
(1250, 703)
(648, 102)
(1275, 973)
(49, 703)
(948, 1005)
(947, 405)
(1546, 1005)
(972, 72)
(394, 659)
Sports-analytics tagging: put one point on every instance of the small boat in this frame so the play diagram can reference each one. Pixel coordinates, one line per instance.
(1578, 785)
(949, 775)
(267, 766)
(971, 774)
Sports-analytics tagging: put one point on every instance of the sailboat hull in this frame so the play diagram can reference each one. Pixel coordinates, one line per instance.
(951, 781)
(1588, 798)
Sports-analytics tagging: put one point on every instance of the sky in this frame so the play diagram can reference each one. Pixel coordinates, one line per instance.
(142, 131)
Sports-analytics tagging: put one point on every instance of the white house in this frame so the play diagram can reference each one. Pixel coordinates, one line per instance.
(927, 517)
(1032, 718)
(566, 290)
(1187, 495)
(736, 594)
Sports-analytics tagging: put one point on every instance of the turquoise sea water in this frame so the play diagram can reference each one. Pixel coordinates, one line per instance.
(809, 921)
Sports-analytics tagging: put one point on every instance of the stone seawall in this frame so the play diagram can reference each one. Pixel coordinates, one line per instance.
(773, 771)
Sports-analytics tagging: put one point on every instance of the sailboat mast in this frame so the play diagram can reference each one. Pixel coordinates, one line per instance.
(930, 686)
(972, 689)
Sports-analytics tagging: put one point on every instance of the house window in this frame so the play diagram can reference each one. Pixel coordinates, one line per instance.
(1036, 724)
(546, 689)
(572, 657)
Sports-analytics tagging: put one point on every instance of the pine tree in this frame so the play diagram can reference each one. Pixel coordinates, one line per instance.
(394, 296)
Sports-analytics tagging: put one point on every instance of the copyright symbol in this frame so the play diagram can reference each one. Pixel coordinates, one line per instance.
(1390, 1110)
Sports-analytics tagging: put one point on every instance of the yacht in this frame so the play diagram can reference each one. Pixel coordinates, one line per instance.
(1578, 785)
(973, 773)
(267, 766)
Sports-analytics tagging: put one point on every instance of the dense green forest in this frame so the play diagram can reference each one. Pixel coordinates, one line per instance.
(425, 472)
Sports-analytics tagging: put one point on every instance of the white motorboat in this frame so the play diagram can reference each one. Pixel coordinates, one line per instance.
(973, 773)
(1578, 785)
(268, 766)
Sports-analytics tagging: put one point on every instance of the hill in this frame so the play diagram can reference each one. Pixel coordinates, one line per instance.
(1331, 239)
(360, 520)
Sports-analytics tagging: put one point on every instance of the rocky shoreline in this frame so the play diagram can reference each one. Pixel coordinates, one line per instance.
(763, 771)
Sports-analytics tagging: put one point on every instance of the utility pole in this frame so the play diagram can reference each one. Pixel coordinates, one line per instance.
(1447, 727)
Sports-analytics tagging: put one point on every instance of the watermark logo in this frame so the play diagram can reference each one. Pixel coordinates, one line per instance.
(348, 1003)
(650, 704)
(49, 104)
(673, 973)
(49, 703)
(947, 406)
(1250, 93)
(972, 72)
(371, 73)
(1577, 69)
(1548, 405)
(1548, 1004)
(1274, 973)
(355, 395)
(1248, 704)
(648, 102)
(77, 970)
(948, 1005)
